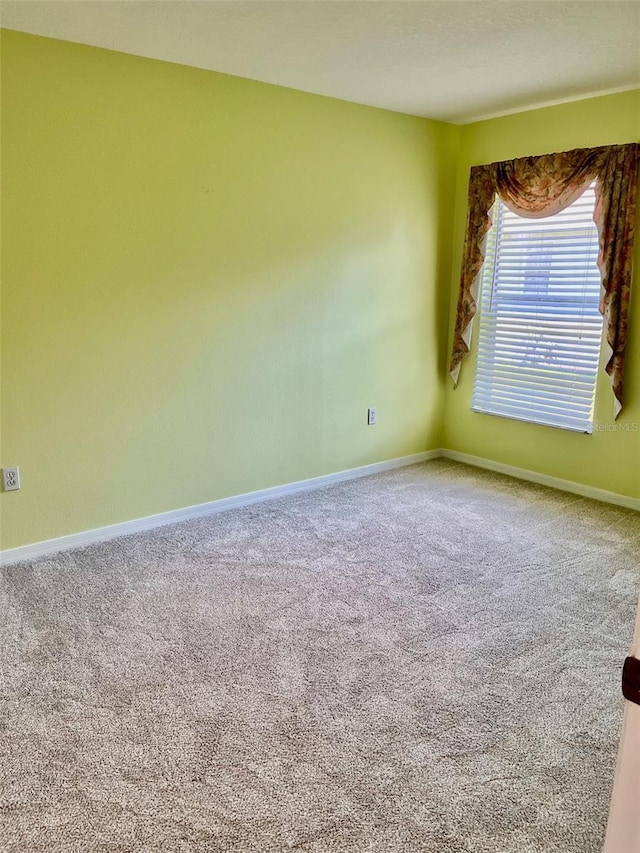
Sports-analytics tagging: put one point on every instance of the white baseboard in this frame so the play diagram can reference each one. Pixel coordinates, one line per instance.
(137, 525)
(544, 479)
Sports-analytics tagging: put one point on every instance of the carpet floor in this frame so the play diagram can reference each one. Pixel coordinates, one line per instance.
(423, 660)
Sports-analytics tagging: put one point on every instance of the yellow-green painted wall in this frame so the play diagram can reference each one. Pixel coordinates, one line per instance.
(205, 283)
(207, 280)
(608, 459)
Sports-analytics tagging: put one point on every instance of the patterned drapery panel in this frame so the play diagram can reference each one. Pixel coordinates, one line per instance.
(534, 187)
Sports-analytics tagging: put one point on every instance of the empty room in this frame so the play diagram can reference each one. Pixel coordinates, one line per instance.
(320, 429)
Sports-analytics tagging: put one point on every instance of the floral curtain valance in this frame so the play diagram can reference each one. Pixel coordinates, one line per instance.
(534, 187)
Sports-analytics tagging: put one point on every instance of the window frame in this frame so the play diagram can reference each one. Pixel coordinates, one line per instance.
(506, 388)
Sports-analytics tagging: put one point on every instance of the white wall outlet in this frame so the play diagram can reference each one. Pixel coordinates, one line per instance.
(11, 479)
(372, 416)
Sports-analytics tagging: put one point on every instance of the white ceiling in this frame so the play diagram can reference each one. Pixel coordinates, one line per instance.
(454, 60)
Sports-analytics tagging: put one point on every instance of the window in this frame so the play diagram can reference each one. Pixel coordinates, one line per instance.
(540, 326)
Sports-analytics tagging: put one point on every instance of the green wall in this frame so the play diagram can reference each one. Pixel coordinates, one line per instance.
(207, 280)
(205, 283)
(607, 459)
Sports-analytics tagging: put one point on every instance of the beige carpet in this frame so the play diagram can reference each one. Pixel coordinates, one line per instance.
(423, 660)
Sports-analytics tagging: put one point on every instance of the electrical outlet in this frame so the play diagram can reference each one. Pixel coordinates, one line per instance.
(11, 479)
(372, 416)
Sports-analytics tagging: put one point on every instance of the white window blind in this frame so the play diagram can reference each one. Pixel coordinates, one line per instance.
(540, 327)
